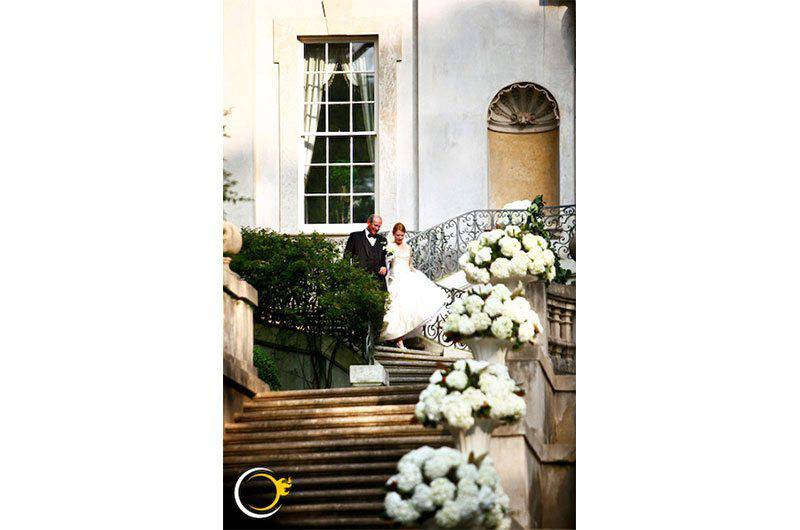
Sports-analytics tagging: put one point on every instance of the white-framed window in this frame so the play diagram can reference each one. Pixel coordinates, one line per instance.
(339, 134)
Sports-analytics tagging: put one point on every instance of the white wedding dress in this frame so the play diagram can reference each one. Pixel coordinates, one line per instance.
(414, 299)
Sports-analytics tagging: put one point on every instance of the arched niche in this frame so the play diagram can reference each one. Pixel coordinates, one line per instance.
(523, 124)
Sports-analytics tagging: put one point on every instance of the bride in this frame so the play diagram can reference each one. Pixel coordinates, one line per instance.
(413, 298)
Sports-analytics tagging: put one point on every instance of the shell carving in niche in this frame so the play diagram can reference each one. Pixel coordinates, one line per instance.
(523, 108)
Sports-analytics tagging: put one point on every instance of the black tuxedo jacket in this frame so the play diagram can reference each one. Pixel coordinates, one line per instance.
(366, 256)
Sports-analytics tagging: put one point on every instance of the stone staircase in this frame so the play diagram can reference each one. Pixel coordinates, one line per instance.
(410, 366)
(339, 446)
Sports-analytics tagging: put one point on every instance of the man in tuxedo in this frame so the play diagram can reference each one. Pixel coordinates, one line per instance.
(367, 249)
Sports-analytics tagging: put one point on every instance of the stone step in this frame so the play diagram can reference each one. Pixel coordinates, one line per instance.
(405, 379)
(391, 349)
(419, 370)
(231, 474)
(321, 457)
(388, 356)
(337, 507)
(391, 363)
(333, 521)
(232, 439)
(283, 404)
(329, 392)
(277, 449)
(321, 422)
(308, 483)
(321, 412)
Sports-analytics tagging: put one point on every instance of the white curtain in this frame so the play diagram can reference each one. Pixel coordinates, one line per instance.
(367, 92)
(319, 73)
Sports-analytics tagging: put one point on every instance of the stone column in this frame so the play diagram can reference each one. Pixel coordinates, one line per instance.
(239, 298)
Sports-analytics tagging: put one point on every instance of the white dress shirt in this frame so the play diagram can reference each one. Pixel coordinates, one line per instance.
(370, 239)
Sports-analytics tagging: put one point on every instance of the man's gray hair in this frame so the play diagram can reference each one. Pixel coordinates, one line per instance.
(374, 216)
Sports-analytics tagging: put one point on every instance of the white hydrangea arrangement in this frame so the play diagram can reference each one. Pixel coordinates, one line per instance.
(493, 311)
(391, 248)
(444, 485)
(468, 390)
(505, 253)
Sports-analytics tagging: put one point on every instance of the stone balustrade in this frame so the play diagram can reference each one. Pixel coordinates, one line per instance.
(561, 330)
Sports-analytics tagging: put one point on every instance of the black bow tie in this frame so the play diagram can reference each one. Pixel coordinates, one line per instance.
(371, 236)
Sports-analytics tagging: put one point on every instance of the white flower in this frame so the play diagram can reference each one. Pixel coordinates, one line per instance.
(410, 475)
(422, 500)
(476, 366)
(529, 241)
(484, 255)
(509, 246)
(487, 476)
(419, 410)
(465, 325)
(502, 327)
(522, 204)
(456, 379)
(457, 411)
(481, 321)
(457, 307)
(513, 230)
(442, 490)
(473, 247)
(526, 332)
(537, 266)
(486, 497)
(481, 289)
(501, 291)
(451, 324)
(449, 515)
(473, 303)
(466, 470)
(436, 377)
(494, 236)
(519, 264)
(437, 466)
(517, 309)
(400, 510)
(505, 405)
(551, 273)
(460, 364)
(549, 257)
(493, 306)
(464, 259)
(474, 397)
(501, 268)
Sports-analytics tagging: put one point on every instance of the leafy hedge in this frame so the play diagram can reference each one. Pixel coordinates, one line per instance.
(304, 284)
(267, 369)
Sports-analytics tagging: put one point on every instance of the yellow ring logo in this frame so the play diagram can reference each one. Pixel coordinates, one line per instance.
(281, 490)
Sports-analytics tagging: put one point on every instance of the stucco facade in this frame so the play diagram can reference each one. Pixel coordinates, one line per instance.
(440, 63)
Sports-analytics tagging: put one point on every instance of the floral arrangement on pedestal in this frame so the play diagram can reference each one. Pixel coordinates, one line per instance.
(503, 254)
(493, 311)
(470, 390)
(442, 488)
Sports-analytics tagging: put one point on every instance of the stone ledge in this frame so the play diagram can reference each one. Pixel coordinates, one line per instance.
(244, 377)
(236, 287)
(546, 453)
(559, 383)
(368, 375)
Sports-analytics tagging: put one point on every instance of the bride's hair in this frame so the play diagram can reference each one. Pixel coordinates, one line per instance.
(399, 226)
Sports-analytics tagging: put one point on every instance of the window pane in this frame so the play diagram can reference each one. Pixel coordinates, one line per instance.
(339, 53)
(363, 149)
(318, 146)
(363, 207)
(364, 117)
(315, 179)
(315, 210)
(340, 179)
(364, 90)
(363, 178)
(339, 209)
(339, 116)
(314, 118)
(339, 149)
(338, 88)
(314, 89)
(364, 56)
(314, 55)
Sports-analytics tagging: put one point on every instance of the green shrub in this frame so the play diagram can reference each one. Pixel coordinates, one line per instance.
(267, 369)
(303, 284)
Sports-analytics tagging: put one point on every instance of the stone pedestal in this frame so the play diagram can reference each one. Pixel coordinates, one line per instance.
(240, 377)
(368, 375)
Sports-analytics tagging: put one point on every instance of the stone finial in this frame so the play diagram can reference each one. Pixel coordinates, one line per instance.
(231, 238)
(523, 108)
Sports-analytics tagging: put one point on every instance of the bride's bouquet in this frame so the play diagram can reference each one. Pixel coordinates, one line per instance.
(391, 248)
(442, 486)
(469, 390)
(508, 253)
(493, 311)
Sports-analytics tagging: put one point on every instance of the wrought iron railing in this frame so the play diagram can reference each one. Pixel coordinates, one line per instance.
(437, 249)
(434, 329)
